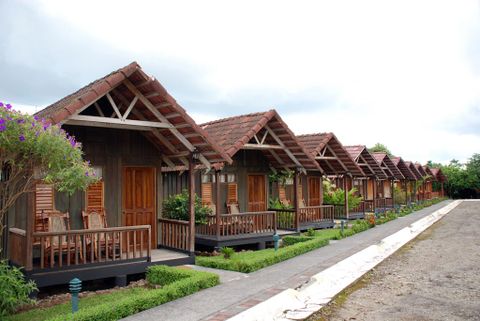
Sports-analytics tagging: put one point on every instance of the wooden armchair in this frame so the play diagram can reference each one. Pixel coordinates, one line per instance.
(60, 222)
(233, 208)
(94, 219)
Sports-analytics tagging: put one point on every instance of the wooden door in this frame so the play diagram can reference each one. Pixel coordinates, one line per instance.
(370, 183)
(138, 199)
(257, 201)
(314, 191)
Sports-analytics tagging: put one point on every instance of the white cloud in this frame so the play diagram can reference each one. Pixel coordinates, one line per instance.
(398, 71)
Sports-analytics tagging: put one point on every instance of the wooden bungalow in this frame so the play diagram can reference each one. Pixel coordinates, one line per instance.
(439, 180)
(130, 127)
(421, 189)
(337, 164)
(367, 185)
(385, 195)
(413, 191)
(260, 144)
(407, 183)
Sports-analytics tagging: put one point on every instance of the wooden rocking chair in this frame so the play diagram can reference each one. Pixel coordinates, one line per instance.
(96, 219)
(60, 222)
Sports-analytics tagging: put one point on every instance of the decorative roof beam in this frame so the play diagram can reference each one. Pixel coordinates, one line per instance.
(162, 118)
(289, 153)
(96, 121)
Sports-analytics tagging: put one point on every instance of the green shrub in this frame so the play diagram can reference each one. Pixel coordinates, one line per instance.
(14, 290)
(360, 226)
(227, 252)
(250, 261)
(176, 207)
(310, 232)
(163, 275)
(290, 239)
(176, 283)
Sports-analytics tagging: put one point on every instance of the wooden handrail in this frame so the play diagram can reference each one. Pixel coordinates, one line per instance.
(239, 224)
(169, 220)
(99, 230)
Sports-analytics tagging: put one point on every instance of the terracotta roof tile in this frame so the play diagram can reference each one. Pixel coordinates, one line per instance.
(407, 173)
(389, 167)
(233, 133)
(317, 143)
(366, 161)
(165, 105)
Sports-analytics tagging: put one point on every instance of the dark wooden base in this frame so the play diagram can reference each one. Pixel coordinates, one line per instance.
(316, 225)
(94, 272)
(237, 240)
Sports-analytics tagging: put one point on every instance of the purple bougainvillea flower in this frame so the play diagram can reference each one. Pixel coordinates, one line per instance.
(35, 117)
(72, 141)
(45, 127)
(20, 121)
(8, 106)
(2, 128)
(2, 121)
(1, 104)
(86, 174)
(22, 138)
(37, 133)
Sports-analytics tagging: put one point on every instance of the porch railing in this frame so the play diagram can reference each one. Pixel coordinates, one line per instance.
(239, 224)
(436, 194)
(389, 202)
(369, 206)
(360, 208)
(380, 204)
(75, 247)
(339, 211)
(174, 234)
(316, 213)
(285, 218)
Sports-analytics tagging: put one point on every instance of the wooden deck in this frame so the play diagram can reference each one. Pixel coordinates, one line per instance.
(241, 239)
(57, 276)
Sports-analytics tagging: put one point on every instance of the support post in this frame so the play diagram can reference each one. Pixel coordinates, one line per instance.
(392, 190)
(345, 189)
(296, 201)
(29, 230)
(406, 192)
(218, 203)
(441, 185)
(365, 190)
(374, 185)
(191, 202)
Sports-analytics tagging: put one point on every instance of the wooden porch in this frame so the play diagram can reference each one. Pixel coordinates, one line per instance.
(51, 258)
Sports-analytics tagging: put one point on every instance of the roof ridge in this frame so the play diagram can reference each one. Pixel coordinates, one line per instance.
(221, 120)
(89, 85)
(315, 134)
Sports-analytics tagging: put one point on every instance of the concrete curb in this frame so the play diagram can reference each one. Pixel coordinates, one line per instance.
(323, 287)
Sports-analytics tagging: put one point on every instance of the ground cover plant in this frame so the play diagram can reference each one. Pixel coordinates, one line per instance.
(167, 284)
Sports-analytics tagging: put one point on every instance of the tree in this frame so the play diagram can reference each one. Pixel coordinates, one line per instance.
(31, 149)
(380, 148)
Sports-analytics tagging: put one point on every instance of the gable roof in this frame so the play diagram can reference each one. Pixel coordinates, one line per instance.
(266, 131)
(411, 166)
(150, 103)
(420, 169)
(330, 154)
(407, 173)
(388, 166)
(365, 161)
(438, 174)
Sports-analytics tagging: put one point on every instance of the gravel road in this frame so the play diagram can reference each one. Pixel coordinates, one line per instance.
(434, 277)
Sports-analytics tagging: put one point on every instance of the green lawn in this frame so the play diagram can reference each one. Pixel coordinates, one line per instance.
(63, 309)
(175, 283)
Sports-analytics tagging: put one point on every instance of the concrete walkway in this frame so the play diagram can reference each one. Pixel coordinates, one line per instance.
(239, 293)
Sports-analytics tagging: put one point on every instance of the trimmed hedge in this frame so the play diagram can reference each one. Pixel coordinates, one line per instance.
(291, 239)
(176, 283)
(251, 261)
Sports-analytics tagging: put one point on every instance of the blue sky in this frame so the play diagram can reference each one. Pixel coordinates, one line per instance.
(404, 73)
